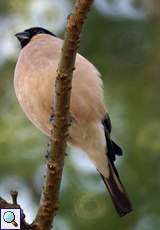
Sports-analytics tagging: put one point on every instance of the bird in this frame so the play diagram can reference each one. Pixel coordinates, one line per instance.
(90, 130)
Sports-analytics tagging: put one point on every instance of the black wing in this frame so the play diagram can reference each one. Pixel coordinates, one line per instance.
(113, 182)
(113, 148)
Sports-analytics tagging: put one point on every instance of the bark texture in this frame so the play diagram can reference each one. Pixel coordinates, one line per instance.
(61, 122)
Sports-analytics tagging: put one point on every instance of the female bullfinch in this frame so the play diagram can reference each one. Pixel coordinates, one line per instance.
(34, 78)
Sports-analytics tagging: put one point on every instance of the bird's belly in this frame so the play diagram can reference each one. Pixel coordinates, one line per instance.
(89, 136)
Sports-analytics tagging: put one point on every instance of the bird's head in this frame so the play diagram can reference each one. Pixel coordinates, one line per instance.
(25, 36)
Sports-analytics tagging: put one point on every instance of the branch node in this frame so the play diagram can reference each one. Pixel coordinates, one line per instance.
(53, 166)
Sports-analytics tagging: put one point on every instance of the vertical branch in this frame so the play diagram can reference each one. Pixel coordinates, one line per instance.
(49, 202)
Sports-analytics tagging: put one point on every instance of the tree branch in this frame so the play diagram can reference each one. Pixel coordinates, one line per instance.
(49, 203)
(49, 200)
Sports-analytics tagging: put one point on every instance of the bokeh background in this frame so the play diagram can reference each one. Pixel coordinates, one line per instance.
(122, 38)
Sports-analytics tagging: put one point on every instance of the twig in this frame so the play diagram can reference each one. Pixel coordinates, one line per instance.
(5, 204)
(49, 202)
(14, 195)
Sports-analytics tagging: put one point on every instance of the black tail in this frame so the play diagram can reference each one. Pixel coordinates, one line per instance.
(113, 183)
(118, 194)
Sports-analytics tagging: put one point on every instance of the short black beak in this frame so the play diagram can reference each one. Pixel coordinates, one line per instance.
(23, 37)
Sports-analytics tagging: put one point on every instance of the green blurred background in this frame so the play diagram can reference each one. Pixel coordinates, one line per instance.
(122, 38)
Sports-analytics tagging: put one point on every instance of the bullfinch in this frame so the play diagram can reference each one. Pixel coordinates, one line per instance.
(34, 78)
